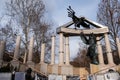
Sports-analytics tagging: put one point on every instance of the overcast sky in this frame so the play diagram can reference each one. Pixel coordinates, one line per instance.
(57, 12)
(58, 9)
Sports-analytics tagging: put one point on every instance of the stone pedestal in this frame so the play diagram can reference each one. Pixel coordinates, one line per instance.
(55, 69)
(15, 64)
(22, 68)
(66, 70)
(37, 67)
(43, 68)
(118, 68)
(83, 72)
(94, 68)
(30, 64)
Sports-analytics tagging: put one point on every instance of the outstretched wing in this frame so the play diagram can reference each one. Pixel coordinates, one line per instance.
(75, 19)
(71, 12)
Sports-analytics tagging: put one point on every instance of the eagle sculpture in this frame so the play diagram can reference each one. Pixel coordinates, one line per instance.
(77, 21)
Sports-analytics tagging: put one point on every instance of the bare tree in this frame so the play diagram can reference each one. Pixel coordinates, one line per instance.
(82, 60)
(8, 34)
(28, 16)
(42, 35)
(109, 14)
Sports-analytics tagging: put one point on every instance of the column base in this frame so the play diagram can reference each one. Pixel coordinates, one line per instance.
(22, 68)
(15, 64)
(55, 69)
(30, 64)
(61, 64)
(44, 68)
(68, 65)
(52, 63)
(66, 70)
(42, 62)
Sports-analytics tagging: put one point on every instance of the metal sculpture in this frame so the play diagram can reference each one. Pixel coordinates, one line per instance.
(77, 21)
(91, 41)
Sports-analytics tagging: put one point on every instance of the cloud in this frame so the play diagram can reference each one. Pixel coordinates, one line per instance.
(50, 5)
(58, 12)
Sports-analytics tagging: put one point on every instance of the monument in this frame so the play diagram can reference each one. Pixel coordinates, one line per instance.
(89, 39)
(64, 70)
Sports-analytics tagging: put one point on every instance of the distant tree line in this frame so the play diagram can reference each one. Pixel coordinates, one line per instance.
(26, 18)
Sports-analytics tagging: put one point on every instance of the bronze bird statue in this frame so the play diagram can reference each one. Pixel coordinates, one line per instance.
(77, 21)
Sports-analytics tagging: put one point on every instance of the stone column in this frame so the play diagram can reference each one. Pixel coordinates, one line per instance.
(2, 49)
(30, 53)
(108, 50)
(118, 45)
(25, 56)
(61, 50)
(99, 49)
(67, 50)
(42, 53)
(17, 48)
(53, 50)
(15, 61)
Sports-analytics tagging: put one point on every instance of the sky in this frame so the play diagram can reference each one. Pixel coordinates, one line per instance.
(56, 11)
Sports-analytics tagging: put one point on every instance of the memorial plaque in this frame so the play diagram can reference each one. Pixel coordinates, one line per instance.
(100, 77)
(19, 76)
(112, 76)
(56, 77)
(5, 76)
(73, 78)
(59, 77)
(52, 77)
